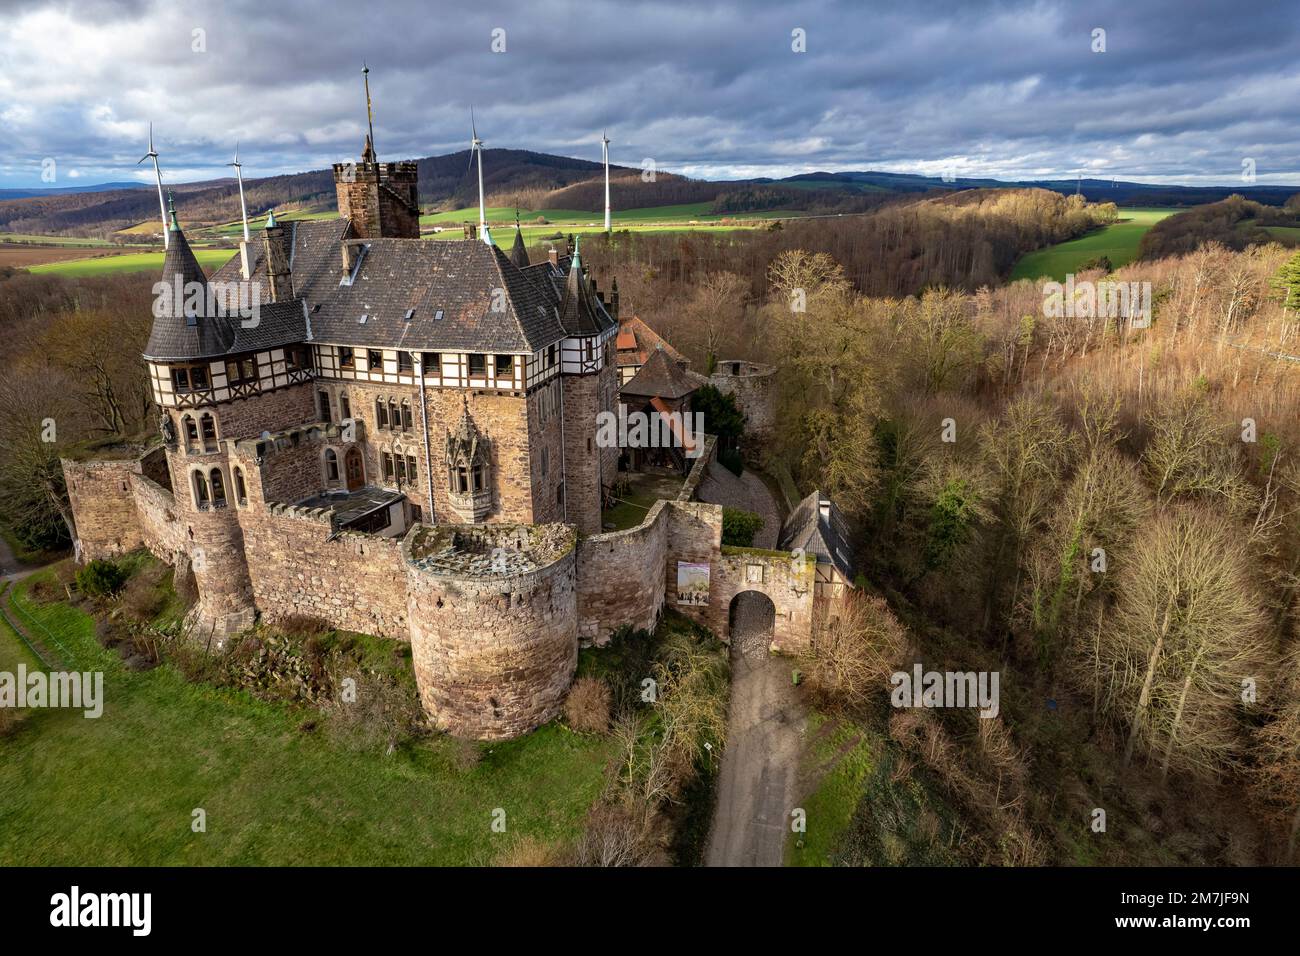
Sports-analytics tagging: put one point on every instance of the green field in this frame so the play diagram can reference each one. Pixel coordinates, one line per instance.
(24, 237)
(121, 789)
(209, 259)
(1118, 242)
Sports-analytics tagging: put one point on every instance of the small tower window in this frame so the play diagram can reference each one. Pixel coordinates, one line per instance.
(241, 492)
(406, 415)
(191, 433)
(218, 489)
(410, 468)
(394, 417)
(201, 491)
(208, 429)
(387, 461)
(324, 398)
(345, 406)
(331, 465)
(381, 413)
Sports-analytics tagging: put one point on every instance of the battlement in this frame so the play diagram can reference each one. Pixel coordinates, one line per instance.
(496, 552)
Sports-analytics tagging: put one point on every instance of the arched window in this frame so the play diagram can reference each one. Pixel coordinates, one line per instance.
(394, 416)
(241, 492)
(331, 465)
(381, 413)
(208, 431)
(191, 432)
(201, 492)
(406, 414)
(218, 489)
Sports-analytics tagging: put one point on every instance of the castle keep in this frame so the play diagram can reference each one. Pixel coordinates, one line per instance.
(400, 439)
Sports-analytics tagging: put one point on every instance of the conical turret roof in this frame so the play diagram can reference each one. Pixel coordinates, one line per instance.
(182, 330)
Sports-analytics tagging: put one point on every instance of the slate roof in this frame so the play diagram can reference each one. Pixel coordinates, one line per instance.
(825, 535)
(176, 337)
(659, 377)
(394, 276)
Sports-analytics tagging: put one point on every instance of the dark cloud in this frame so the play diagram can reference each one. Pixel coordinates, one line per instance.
(1185, 91)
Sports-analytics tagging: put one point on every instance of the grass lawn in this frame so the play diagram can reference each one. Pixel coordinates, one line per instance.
(633, 506)
(1118, 242)
(840, 753)
(121, 789)
(209, 259)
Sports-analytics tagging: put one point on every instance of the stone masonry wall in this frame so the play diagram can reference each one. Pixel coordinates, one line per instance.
(161, 529)
(755, 393)
(355, 582)
(103, 507)
(494, 655)
(620, 577)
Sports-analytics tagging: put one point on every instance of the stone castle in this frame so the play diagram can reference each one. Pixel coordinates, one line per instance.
(399, 438)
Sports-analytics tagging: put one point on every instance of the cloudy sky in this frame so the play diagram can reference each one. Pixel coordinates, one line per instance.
(1185, 90)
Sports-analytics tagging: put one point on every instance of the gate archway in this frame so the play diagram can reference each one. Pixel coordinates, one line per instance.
(751, 619)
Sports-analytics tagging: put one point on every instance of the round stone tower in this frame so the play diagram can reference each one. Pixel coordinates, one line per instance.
(494, 625)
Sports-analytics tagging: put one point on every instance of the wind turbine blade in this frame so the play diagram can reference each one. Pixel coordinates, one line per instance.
(142, 159)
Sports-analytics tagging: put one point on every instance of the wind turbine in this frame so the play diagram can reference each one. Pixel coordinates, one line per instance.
(239, 173)
(604, 140)
(162, 206)
(476, 144)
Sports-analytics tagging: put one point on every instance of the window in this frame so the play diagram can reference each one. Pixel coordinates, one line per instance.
(200, 491)
(293, 358)
(416, 514)
(387, 460)
(406, 414)
(375, 359)
(478, 477)
(190, 378)
(208, 430)
(241, 492)
(550, 356)
(346, 359)
(345, 406)
(243, 370)
(394, 417)
(331, 465)
(590, 353)
(410, 468)
(462, 480)
(218, 489)
(400, 463)
(505, 366)
(323, 398)
(477, 364)
(381, 413)
(191, 432)
(181, 379)
(405, 364)
(546, 460)
(431, 362)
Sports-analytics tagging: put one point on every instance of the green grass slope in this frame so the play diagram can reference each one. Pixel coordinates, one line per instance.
(1118, 242)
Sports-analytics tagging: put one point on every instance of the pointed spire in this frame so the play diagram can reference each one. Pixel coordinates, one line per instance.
(171, 213)
(577, 256)
(270, 220)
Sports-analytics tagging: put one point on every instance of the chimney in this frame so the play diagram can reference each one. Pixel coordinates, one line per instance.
(277, 244)
(554, 255)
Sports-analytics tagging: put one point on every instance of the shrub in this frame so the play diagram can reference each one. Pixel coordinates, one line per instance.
(529, 851)
(101, 578)
(143, 597)
(739, 527)
(855, 650)
(43, 590)
(587, 708)
(621, 834)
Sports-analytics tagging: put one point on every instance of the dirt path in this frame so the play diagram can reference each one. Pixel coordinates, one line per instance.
(757, 786)
(749, 493)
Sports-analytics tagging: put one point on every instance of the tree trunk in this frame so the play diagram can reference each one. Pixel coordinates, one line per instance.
(1144, 698)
